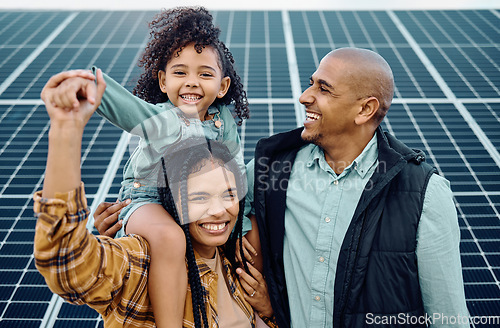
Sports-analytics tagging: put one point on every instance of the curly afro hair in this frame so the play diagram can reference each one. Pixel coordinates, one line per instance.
(171, 31)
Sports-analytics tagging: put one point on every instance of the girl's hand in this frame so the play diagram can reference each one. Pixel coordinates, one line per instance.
(248, 251)
(106, 217)
(256, 292)
(73, 91)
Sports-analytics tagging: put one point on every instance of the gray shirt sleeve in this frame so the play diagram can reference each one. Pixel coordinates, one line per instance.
(438, 256)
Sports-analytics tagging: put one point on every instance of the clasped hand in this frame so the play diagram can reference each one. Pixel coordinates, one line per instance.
(72, 97)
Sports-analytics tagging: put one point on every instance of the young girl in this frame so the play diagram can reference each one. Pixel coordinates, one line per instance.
(188, 80)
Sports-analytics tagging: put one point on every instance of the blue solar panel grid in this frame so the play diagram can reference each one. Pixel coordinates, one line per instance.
(447, 102)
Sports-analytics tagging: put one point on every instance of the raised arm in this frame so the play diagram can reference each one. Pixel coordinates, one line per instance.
(62, 173)
(108, 275)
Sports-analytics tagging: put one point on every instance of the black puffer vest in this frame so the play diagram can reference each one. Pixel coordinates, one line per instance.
(377, 274)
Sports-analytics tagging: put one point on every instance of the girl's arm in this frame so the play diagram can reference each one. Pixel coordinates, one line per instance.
(156, 124)
(126, 111)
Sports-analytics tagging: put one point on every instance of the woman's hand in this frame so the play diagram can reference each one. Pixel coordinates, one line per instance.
(62, 173)
(106, 217)
(70, 98)
(256, 292)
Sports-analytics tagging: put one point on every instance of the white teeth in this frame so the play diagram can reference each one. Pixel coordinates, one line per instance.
(191, 97)
(312, 116)
(213, 226)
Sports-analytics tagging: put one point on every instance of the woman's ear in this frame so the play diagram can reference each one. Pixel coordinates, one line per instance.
(224, 86)
(161, 80)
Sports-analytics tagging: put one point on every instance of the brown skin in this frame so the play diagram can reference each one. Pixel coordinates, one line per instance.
(253, 283)
(107, 224)
(106, 219)
(347, 98)
(62, 172)
(251, 247)
(350, 93)
(106, 216)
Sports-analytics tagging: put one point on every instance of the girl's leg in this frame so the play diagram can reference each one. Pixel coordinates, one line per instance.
(167, 282)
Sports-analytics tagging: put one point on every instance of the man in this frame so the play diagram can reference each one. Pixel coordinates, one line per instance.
(355, 228)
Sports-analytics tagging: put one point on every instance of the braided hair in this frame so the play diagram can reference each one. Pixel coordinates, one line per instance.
(171, 31)
(184, 158)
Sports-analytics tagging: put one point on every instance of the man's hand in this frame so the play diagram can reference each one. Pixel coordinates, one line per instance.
(106, 217)
(69, 97)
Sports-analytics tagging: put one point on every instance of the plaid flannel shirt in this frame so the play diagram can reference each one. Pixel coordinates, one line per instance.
(109, 275)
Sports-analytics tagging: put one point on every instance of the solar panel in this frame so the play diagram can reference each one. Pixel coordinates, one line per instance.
(447, 102)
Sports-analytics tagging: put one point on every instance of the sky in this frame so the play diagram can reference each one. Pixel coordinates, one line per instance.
(250, 4)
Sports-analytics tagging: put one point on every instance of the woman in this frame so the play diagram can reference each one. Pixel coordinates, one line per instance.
(203, 184)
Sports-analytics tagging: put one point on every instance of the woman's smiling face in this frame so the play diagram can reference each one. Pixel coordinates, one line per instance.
(212, 207)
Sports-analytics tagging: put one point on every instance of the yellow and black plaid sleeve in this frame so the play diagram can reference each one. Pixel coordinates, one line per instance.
(109, 275)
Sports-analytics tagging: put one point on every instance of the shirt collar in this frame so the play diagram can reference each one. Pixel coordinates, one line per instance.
(211, 110)
(361, 164)
(204, 268)
(367, 158)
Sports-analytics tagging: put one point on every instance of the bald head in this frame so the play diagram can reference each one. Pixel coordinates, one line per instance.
(368, 74)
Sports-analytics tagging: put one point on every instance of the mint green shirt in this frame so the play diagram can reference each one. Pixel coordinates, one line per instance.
(319, 208)
(159, 126)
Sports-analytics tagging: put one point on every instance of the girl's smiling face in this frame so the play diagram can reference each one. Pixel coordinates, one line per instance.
(192, 80)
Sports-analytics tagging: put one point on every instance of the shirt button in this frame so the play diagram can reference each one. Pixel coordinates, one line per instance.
(322, 259)
(317, 298)
(137, 184)
(336, 182)
(327, 220)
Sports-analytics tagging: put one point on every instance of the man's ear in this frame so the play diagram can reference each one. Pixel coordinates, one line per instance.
(369, 108)
(162, 80)
(224, 86)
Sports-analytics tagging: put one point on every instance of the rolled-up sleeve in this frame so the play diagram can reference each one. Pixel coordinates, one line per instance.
(108, 275)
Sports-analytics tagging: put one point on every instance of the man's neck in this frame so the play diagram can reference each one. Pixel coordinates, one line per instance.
(344, 152)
